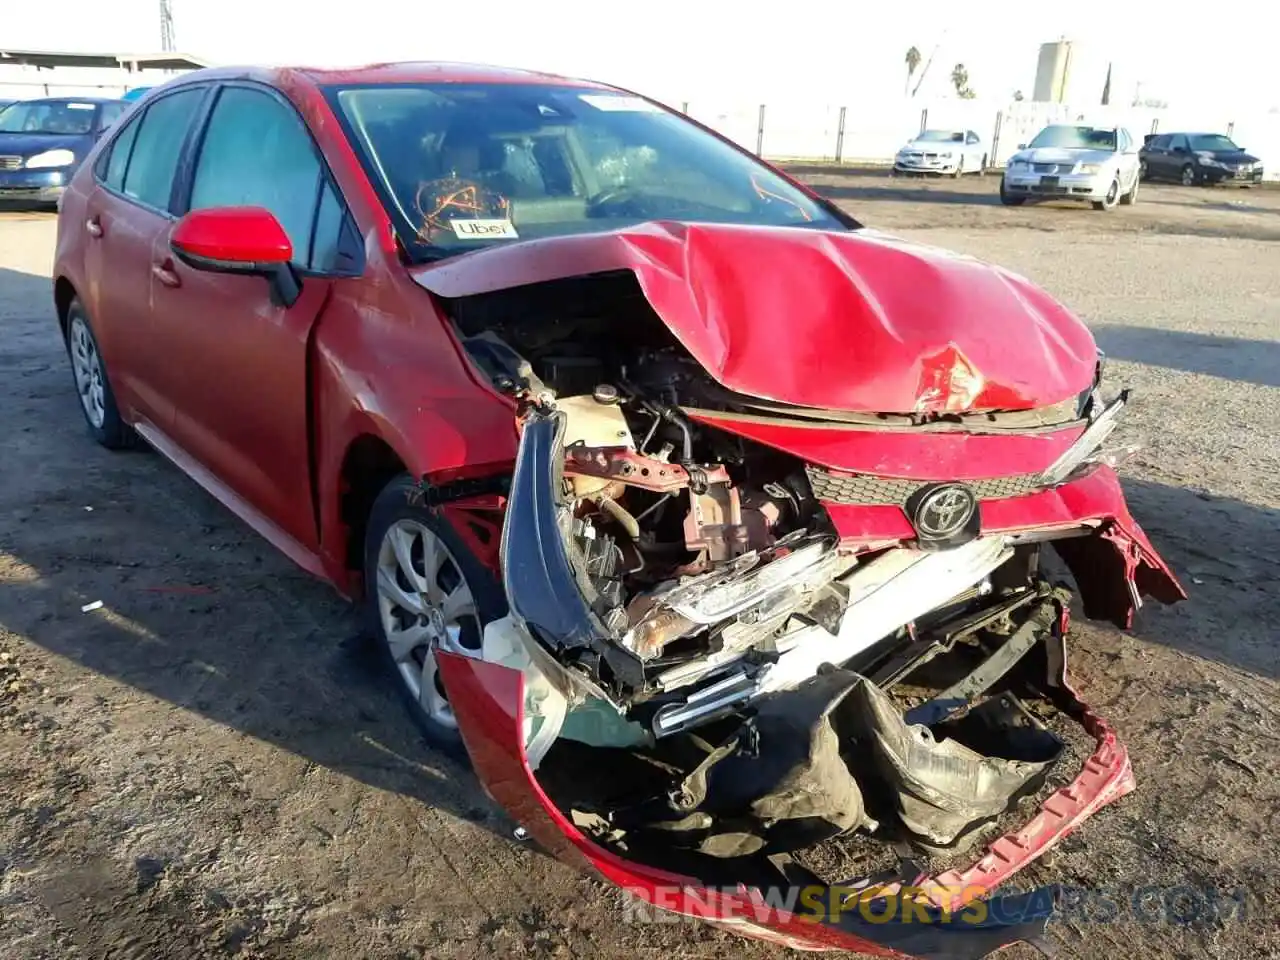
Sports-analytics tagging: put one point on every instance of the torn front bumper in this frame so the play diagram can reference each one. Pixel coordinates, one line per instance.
(947, 916)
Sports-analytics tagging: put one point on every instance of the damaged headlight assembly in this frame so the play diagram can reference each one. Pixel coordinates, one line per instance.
(1088, 450)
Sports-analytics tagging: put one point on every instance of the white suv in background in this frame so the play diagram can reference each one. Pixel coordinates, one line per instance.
(1074, 162)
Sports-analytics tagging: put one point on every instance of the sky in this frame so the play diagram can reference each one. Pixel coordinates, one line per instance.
(710, 49)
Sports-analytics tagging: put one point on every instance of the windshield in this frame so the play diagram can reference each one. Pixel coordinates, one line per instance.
(48, 116)
(1077, 138)
(466, 165)
(941, 136)
(1213, 142)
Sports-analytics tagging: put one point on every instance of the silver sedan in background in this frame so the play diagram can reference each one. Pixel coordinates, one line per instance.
(1074, 162)
(949, 152)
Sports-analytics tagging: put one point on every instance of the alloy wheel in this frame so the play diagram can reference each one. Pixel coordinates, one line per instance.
(86, 364)
(425, 605)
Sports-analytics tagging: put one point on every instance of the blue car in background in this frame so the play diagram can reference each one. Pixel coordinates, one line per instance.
(43, 142)
(137, 93)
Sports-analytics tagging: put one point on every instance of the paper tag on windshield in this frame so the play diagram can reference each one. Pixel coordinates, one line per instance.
(618, 104)
(484, 229)
(80, 106)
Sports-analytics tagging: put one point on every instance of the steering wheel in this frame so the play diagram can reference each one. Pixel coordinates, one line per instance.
(624, 194)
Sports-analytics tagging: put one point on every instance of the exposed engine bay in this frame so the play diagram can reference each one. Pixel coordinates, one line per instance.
(692, 627)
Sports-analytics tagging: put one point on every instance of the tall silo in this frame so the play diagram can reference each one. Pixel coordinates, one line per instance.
(1053, 71)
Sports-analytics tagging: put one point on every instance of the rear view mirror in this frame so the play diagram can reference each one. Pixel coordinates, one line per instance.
(1022, 146)
(245, 240)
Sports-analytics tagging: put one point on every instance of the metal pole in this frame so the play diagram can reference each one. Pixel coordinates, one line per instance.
(995, 140)
(924, 119)
(760, 134)
(840, 136)
(684, 108)
(1231, 128)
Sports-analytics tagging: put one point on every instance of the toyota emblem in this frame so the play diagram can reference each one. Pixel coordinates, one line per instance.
(943, 511)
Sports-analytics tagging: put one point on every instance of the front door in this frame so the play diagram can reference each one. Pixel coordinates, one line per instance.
(238, 361)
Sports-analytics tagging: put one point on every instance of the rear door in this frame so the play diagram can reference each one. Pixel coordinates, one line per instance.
(127, 209)
(237, 369)
(1154, 153)
(1128, 148)
(1179, 155)
(974, 153)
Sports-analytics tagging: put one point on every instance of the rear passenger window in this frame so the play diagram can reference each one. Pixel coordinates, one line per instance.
(257, 152)
(157, 145)
(112, 167)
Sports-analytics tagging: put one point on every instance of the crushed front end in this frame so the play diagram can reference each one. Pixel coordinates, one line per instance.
(758, 645)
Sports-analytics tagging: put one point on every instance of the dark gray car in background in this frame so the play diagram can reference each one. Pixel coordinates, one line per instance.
(1197, 158)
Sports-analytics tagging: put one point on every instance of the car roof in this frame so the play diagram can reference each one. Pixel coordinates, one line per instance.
(392, 74)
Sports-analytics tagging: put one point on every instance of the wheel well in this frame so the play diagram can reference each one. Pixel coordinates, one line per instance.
(63, 294)
(370, 464)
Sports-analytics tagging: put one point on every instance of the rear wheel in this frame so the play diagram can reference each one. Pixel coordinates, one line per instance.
(1188, 176)
(425, 592)
(1130, 198)
(97, 401)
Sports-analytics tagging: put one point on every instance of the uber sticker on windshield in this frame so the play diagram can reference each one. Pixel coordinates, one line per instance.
(618, 104)
(484, 229)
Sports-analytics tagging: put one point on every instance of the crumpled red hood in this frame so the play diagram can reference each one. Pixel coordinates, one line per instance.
(855, 321)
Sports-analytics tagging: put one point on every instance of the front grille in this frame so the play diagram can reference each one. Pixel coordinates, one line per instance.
(866, 491)
(10, 163)
(1051, 168)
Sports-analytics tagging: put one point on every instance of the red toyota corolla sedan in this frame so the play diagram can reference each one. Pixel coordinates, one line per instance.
(707, 522)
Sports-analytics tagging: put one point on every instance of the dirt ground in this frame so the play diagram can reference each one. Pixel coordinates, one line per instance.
(207, 765)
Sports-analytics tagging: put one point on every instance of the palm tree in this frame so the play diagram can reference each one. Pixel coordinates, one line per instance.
(913, 64)
(960, 79)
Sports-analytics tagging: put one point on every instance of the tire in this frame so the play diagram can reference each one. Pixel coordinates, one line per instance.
(1007, 199)
(1112, 199)
(410, 665)
(1188, 175)
(1130, 198)
(1142, 170)
(982, 170)
(93, 385)
(959, 171)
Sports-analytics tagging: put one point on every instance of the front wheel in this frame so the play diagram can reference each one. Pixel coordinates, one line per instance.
(1007, 198)
(1112, 199)
(1188, 175)
(1142, 170)
(425, 592)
